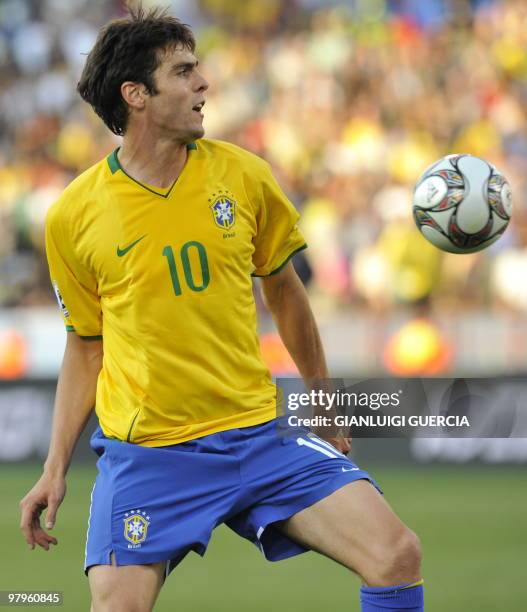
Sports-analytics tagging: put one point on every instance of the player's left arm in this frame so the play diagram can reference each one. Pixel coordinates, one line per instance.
(287, 300)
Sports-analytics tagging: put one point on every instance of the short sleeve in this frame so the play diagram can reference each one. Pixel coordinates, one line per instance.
(278, 237)
(75, 287)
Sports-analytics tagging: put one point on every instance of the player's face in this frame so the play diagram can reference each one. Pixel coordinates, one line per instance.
(176, 108)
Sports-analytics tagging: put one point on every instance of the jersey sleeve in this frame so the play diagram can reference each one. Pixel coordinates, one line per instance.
(75, 287)
(278, 237)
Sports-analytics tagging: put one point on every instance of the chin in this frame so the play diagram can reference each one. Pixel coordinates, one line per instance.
(196, 133)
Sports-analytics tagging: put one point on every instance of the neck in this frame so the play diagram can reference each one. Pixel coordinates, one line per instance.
(155, 162)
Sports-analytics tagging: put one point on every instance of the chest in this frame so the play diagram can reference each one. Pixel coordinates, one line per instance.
(198, 237)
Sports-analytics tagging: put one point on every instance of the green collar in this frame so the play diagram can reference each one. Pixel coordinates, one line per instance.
(114, 165)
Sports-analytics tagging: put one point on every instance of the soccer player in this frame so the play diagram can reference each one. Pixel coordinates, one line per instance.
(151, 253)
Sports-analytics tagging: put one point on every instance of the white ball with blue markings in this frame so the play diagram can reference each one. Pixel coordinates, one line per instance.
(462, 204)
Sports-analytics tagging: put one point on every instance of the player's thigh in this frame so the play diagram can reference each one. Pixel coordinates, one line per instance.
(125, 588)
(356, 527)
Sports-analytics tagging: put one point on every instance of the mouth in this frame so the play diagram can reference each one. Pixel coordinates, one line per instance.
(198, 108)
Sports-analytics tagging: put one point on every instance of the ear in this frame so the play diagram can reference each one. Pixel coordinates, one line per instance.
(134, 94)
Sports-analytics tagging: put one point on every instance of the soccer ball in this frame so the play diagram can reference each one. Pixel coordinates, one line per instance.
(462, 204)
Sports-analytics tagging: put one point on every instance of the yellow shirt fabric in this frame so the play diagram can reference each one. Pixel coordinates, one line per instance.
(164, 277)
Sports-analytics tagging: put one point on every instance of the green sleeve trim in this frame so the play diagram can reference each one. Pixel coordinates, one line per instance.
(70, 328)
(282, 265)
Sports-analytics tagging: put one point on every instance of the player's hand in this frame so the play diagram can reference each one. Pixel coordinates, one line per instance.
(335, 437)
(341, 443)
(47, 493)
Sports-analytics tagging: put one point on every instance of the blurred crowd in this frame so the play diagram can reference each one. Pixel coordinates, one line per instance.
(349, 101)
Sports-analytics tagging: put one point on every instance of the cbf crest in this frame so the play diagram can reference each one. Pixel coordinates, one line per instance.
(223, 206)
(136, 523)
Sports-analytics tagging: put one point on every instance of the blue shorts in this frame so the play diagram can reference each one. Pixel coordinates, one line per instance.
(151, 505)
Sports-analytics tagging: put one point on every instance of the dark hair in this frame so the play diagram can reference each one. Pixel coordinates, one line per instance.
(128, 50)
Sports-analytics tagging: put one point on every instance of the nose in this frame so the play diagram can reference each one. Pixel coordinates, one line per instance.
(203, 84)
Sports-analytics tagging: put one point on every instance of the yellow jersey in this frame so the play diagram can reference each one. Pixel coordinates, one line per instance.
(163, 276)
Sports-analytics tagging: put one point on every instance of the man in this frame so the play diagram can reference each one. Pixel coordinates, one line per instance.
(151, 253)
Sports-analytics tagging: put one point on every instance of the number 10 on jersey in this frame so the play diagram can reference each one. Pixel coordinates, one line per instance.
(185, 260)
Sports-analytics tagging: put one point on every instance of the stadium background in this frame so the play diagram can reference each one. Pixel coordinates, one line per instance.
(349, 101)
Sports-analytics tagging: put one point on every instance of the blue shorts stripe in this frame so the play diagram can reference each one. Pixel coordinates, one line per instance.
(317, 447)
(89, 523)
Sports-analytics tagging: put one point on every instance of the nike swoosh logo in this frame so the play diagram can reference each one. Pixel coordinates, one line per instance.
(121, 252)
(350, 469)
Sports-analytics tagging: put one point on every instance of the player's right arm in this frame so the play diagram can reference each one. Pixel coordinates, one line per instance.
(74, 402)
(76, 288)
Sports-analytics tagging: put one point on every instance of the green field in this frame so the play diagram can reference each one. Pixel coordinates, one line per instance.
(472, 522)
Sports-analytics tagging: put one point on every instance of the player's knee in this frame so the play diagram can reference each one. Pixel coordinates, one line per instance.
(400, 560)
(118, 606)
(109, 594)
(105, 601)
